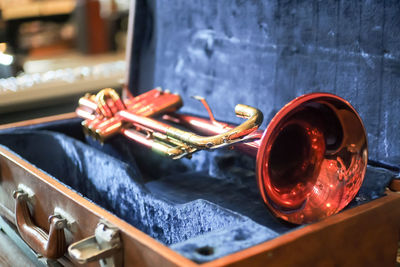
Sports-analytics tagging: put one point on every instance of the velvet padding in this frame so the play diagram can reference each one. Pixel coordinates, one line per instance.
(203, 208)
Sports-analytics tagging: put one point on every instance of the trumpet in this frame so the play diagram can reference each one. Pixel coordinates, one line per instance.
(310, 161)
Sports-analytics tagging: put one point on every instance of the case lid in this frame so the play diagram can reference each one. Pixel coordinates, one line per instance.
(265, 53)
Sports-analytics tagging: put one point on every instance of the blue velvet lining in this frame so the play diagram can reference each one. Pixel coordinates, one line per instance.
(203, 208)
(265, 53)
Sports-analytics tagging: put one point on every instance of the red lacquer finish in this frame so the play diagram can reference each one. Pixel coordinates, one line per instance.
(312, 158)
(104, 113)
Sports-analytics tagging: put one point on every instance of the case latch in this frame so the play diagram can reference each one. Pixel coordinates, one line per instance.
(104, 246)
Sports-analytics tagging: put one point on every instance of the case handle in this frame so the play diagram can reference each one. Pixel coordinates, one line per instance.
(51, 245)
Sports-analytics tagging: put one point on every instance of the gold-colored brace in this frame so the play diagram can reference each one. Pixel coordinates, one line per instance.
(187, 143)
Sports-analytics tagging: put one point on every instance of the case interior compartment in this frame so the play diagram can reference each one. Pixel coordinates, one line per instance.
(204, 208)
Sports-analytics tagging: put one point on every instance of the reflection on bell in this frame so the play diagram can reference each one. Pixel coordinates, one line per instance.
(312, 158)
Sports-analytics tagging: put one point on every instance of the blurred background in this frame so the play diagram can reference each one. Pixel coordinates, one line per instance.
(54, 51)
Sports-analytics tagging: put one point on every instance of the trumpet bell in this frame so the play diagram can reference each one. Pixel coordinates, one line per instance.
(312, 158)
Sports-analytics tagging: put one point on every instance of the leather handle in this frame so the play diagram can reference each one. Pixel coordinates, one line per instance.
(51, 245)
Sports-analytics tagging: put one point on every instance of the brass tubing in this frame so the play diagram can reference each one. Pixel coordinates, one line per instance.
(254, 119)
(174, 152)
(84, 113)
(101, 111)
(107, 129)
(145, 121)
(101, 99)
(85, 101)
(103, 129)
(204, 126)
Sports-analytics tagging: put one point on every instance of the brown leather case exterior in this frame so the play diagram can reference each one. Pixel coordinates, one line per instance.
(366, 235)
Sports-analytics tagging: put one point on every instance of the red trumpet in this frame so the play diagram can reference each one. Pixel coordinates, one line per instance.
(311, 159)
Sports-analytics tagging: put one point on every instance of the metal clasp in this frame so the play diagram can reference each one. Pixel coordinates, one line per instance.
(104, 246)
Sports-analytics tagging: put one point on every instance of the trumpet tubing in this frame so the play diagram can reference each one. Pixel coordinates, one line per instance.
(310, 161)
(101, 111)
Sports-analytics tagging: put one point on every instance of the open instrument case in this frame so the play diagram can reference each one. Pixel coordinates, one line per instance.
(137, 208)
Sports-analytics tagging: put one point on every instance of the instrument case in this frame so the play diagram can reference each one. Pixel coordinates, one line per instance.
(120, 204)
